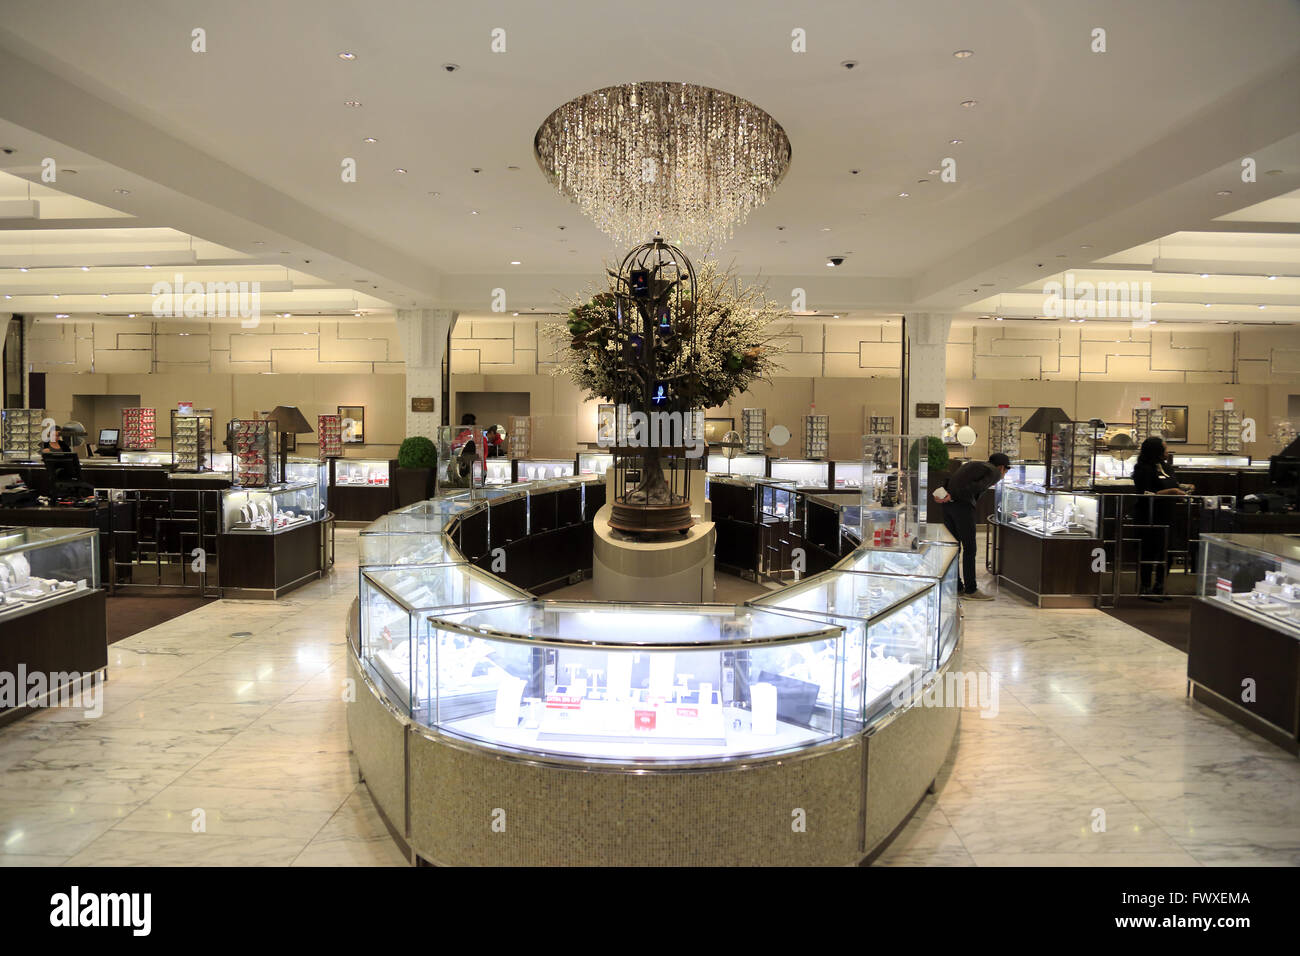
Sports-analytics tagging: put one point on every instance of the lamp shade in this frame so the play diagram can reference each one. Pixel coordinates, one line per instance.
(288, 420)
(1044, 420)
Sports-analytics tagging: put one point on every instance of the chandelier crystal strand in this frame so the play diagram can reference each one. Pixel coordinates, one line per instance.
(685, 161)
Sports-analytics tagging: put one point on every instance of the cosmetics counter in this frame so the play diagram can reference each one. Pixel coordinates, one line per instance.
(51, 612)
(581, 716)
(1243, 654)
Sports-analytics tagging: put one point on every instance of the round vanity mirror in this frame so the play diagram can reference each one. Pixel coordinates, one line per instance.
(779, 435)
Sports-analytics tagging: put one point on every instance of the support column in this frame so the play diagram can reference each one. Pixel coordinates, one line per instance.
(927, 367)
(424, 342)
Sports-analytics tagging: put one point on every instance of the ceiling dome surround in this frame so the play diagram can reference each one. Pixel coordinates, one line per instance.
(686, 161)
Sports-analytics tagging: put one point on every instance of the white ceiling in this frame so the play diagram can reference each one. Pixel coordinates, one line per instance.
(1066, 148)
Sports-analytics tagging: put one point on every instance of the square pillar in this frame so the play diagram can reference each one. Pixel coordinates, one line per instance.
(424, 343)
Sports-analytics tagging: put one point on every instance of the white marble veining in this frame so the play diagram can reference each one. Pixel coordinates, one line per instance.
(236, 710)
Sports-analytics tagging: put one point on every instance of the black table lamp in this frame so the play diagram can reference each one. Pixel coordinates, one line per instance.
(288, 421)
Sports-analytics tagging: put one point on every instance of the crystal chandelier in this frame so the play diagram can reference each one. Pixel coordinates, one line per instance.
(684, 161)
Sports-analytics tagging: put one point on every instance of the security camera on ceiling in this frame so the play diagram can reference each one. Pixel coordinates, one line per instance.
(835, 260)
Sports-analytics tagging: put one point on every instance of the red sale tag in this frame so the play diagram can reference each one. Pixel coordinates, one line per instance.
(645, 719)
(687, 712)
(563, 702)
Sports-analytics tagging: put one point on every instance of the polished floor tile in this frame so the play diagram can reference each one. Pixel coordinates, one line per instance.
(236, 710)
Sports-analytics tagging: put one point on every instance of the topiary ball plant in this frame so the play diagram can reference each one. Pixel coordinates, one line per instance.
(417, 452)
(937, 456)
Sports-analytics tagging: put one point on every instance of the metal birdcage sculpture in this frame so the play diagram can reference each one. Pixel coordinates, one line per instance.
(655, 299)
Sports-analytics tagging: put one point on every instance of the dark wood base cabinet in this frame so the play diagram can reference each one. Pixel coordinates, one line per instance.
(362, 502)
(269, 565)
(1225, 650)
(1048, 572)
(65, 642)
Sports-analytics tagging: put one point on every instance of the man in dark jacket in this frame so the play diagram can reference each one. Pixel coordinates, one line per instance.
(964, 487)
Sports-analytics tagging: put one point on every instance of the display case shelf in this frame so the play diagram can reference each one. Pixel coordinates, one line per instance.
(1004, 435)
(253, 453)
(1073, 449)
(329, 436)
(1224, 434)
(1048, 514)
(20, 433)
(271, 510)
(803, 474)
(139, 429)
(191, 442)
(753, 430)
(520, 436)
(44, 566)
(816, 437)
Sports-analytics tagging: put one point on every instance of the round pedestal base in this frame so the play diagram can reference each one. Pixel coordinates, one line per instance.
(650, 519)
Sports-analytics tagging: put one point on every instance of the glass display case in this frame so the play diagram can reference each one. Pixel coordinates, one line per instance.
(191, 442)
(254, 453)
(535, 469)
(1108, 465)
(144, 458)
(594, 464)
(1027, 474)
(894, 487)
(40, 567)
(404, 539)
(848, 475)
(661, 683)
(329, 436)
(1073, 445)
(496, 472)
(804, 474)
(269, 510)
(20, 433)
(1048, 513)
(1257, 575)
(754, 466)
(361, 472)
(299, 470)
(139, 429)
(1212, 461)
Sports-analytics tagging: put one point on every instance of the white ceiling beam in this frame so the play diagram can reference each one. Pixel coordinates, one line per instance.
(19, 209)
(1225, 267)
(75, 260)
(55, 225)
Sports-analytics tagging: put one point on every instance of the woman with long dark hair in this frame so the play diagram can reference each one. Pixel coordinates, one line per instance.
(1152, 477)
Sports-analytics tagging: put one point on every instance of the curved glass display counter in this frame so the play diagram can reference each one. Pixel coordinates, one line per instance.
(612, 732)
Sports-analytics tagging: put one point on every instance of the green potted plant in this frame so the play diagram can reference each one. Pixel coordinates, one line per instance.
(417, 466)
(936, 471)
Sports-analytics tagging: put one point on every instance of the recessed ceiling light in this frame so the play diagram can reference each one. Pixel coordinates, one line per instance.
(1263, 307)
(1205, 275)
(903, 195)
(829, 264)
(148, 267)
(451, 67)
(352, 103)
(24, 269)
(61, 315)
(1207, 305)
(7, 296)
(131, 315)
(513, 169)
(967, 104)
(435, 195)
(370, 139)
(1085, 246)
(962, 54)
(855, 171)
(514, 313)
(834, 316)
(933, 172)
(56, 295)
(515, 262)
(259, 242)
(103, 295)
(124, 192)
(997, 318)
(849, 64)
(1272, 172)
(85, 268)
(399, 169)
(347, 56)
(826, 228)
(1224, 192)
(1270, 277)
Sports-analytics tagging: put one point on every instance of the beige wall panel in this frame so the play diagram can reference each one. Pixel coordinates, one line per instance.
(109, 362)
(1068, 372)
(352, 344)
(525, 335)
(222, 364)
(959, 360)
(389, 368)
(876, 357)
(306, 361)
(464, 361)
(1094, 356)
(194, 348)
(1254, 372)
(257, 347)
(1223, 378)
(846, 337)
(1174, 351)
(463, 329)
(798, 365)
(892, 332)
(1008, 367)
(525, 363)
(494, 329)
(495, 352)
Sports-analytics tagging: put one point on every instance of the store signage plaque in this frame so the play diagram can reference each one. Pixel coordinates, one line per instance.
(422, 405)
(927, 409)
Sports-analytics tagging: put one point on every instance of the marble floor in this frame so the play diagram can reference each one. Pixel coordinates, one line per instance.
(223, 741)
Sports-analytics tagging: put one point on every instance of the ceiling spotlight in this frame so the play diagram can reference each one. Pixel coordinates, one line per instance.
(85, 268)
(124, 192)
(514, 313)
(353, 103)
(1205, 275)
(22, 268)
(923, 180)
(60, 315)
(399, 169)
(451, 67)
(347, 56)
(56, 295)
(962, 54)
(131, 315)
(967, 104)
(997, 318)
(1207, 305)
(1085, 246)
(148, 267)
(1263, 307)
(435, 195)
(855, 171)
(1224, 192)
(849, 64)
(1270, 277)
(903, 195)
(515, 262)
(7, 296)
(370, 139)
(1272, 172)
(103, 295)
(473, 212)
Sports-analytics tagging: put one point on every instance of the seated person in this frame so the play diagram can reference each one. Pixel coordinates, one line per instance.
(57, 443)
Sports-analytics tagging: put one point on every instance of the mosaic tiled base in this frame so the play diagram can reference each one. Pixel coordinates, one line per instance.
(378, 736)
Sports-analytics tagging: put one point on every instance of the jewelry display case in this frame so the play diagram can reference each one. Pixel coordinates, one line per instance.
(270, 510)
(1048, 513)
(848, 475)
(20, 433)
(594, 464)
(1004, 435)
(402, 539)
(139, 429)
(151, 458)
(1027, 474)
(362, 473)
(1073, 446)
(299, 470)
(191, 442)
(520, 437)
(496, 472)
(254, 454)
(812, 475)
(51, 613)
(753, 430)
(1214, 461)
(535, 469)
(1243, 652)
(329, 436)
(43, 566)
(753, 465)
(894, 490)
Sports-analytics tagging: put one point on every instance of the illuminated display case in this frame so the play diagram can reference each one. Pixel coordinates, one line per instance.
(299, 470)
(496, 472)
(361, 473)
(536, 469)
(402, 539)
(40, 567)
(753, 430)
(271, 510)
(753, 465)
(1214, 461)
(804, 474)
(848, 475)
(20, 433)
(1257, 575)
(1048, 513)
(145, 458)
(594, 464)
(1027, 474)
(254, 453)
(894, 487)
(1073, 445)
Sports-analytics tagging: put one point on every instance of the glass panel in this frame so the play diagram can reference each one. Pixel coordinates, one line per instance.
(1257, 575)
(591, 463)
(804, 474)
(351, 472)
(533, 469)
(40, 566)
(1055, 513)
(403, 539)
(895, 475)
(270, 510)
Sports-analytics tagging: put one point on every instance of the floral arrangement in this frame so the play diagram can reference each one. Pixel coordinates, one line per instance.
(720, 346)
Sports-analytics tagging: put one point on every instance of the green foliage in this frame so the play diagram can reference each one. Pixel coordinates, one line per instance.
(937, 456)
(417, 452)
